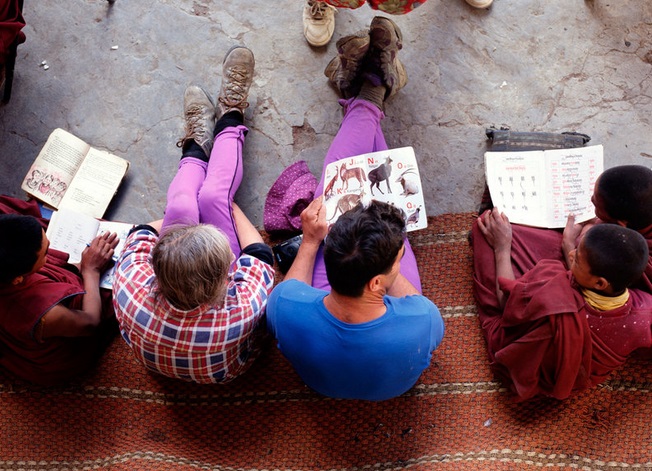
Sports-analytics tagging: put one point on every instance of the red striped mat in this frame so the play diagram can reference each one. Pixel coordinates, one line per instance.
(457, 417)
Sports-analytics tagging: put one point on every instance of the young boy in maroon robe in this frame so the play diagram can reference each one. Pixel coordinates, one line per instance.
(52, 324)
(623, 196)
(553, 332)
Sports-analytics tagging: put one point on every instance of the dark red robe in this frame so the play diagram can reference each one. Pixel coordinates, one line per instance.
(645, 283)
(22, 306)
(547, 341)
(11, 24)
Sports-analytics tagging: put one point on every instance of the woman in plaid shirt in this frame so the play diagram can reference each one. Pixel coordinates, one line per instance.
(190, 302)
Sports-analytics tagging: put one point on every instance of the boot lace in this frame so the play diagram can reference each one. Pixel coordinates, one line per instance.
(235, 88)
(194, 125)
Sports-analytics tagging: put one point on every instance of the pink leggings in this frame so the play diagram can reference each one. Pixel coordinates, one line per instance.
(359, 133)
(203, 192)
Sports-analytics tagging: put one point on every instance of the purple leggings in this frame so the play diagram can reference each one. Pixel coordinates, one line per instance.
(203, 192)
(359, 133)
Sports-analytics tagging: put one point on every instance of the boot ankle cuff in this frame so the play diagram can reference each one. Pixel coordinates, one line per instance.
(192, 149)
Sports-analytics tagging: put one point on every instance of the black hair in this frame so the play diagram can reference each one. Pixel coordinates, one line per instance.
(363, 242)
(626, 193)
(616, 253)
(21, 240)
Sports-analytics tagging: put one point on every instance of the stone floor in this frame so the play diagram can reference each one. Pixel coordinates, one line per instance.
(532, 65)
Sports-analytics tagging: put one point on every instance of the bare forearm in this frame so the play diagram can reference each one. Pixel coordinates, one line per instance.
(92, 302)
(567, 247)
(504, 269)
(247, 232)
(304, 263)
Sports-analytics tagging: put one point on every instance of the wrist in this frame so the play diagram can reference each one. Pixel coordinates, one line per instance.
(311, 242)
(90, 273)
(502, 252)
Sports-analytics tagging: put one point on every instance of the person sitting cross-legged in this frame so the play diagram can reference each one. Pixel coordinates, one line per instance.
(554, 332)
(191, 302)
(55, 321)
(349, 315)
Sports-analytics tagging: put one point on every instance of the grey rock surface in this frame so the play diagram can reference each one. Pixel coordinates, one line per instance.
(531, 65)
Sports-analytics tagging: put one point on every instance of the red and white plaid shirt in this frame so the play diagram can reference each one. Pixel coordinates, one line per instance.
(206, 344)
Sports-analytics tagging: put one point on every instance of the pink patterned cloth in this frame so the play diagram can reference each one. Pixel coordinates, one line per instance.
(292, 191)
(394, 7)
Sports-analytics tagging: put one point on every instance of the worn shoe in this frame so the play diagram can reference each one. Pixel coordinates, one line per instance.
(344, 69)
(237, 75)
(318, 22)
(382, 64)
(199, 113)
(480, 3)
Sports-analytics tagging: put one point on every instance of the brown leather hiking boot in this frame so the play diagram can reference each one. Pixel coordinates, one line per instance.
(199, 113)
(382, 59)
(344, 69)
(237, 75)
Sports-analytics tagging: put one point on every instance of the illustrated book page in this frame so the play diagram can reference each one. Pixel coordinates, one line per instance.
(70, 173)
(541, 188)
(391, 176)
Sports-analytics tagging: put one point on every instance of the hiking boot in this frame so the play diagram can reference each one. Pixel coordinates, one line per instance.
(318, 22)
(382, 64)
(480, 3)
(344, 69)
(199, 113)
(237, 75)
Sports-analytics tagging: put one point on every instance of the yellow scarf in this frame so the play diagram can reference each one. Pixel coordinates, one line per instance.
(604, 303)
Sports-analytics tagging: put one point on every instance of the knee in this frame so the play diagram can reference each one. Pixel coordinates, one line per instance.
(181, 201)
(211, 199)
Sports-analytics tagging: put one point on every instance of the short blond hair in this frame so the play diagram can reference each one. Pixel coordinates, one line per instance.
(192, 265)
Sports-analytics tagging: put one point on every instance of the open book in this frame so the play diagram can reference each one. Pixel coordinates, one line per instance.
(68, 173)
(70, 232)
(390, 175)
(541, 188)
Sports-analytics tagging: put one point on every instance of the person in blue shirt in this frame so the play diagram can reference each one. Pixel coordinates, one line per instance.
(350, 316)
(371, 334)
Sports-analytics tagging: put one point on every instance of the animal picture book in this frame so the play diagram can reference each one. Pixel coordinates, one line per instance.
(541, 188)
(70, 232)
(390, 175)
(69, 173)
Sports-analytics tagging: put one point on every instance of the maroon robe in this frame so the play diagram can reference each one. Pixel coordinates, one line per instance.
(22, 306)
(11, 24)
(645, 283)
(547, 340)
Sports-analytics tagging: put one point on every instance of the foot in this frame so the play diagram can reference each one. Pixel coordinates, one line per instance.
(237, 75)
(344, 70)
(480, 3)
(382, 65)
(318, 22)
(199, 113)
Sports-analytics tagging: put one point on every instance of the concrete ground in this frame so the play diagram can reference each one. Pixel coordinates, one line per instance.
(532, 65)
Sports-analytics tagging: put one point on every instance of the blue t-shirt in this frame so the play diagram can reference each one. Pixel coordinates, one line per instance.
(375, 360)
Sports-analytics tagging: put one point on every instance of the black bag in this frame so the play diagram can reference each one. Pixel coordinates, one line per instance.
(286, 252)
(503, 140)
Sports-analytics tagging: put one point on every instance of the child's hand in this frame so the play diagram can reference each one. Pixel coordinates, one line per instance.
(571, 231)
(496, 228)
(99, 252)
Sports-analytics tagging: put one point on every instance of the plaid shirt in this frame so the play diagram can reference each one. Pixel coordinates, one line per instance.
(206, 344)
